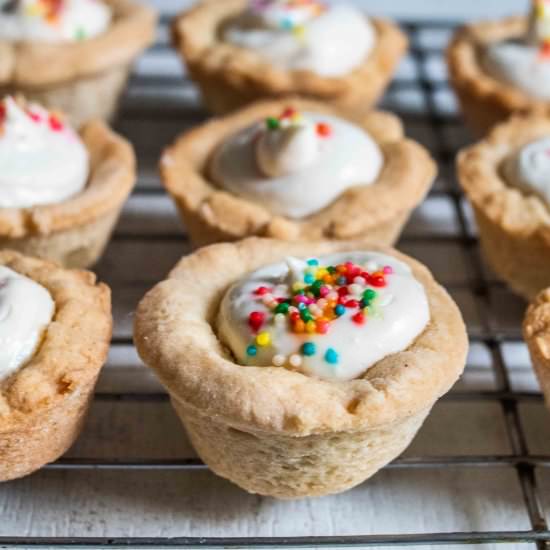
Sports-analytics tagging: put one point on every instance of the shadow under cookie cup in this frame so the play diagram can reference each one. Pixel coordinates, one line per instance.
(83, 79)
(277, 432)
(230, 77)
(514, 227)
(486, 101)
(75, 232)
(43, 404)
(377, 211)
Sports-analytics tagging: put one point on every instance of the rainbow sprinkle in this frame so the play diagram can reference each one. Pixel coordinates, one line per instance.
(324, 294)
(52, 119)
(292, 118)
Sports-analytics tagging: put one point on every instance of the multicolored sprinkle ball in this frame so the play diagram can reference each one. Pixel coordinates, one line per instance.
(313, 304)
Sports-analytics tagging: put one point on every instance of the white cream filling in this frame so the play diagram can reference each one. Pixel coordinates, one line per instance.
(398, 314)
(26, 309)
(43, 161)
(520, 65)
(39, 20)
(524, 62)
(293, 171)
(529, 169)
(331, 44)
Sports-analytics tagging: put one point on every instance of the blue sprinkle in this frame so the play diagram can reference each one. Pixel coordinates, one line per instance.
(313, 261)
(301, 306)
(287, 24)
(251, 350)
(331, 356)
(309, 348)
(339, 310)
(341, 281)
(309, 278)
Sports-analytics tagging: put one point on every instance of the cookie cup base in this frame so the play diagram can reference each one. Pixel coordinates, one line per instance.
(289, 467)
(521, 261)
(75, 247)
(83, 99)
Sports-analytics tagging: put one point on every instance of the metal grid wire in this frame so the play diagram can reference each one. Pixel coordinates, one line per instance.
(520, 460)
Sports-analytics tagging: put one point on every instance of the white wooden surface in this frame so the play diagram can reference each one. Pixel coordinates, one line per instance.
(103, 503)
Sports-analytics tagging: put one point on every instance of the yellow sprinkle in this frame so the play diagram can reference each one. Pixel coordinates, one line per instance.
(321, 272)
(298, 286)
(263, 339)
(311, 326)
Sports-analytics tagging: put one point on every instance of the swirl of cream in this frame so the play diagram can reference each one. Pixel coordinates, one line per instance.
(529, 169)
(328, 40)
(26, 309)
(43, 161)
(251, 323)
(524, 63)
(295, 170)
(53, 20)
(288, 149)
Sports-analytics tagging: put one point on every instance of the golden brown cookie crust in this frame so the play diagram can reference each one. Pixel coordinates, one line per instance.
(29, 64)
(174, 335)
(514, 227)
(212, 214)
(486, 100)
(245, 76)
(536, 331)
(43, 403)
(112, 177)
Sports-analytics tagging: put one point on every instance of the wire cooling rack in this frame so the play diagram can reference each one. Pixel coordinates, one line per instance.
(159, 103)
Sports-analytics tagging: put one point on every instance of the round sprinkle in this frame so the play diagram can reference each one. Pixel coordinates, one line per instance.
(261, 290)
(369, 295)
(251, 351)
(278, 360)
(263, 339)
(322, 326)
(358, 318)
(313, 261)
(256, 320)
(388, 269)
(323, 129)
(272, 123)
(280, 319)
(309, 278)
(311, 327)
(341, 281)
(309, 348)
(339, 310)
(355, 289)
(282, 308)
(331, 356)
(295, 360)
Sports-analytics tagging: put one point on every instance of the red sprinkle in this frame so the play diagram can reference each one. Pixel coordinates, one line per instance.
(323, 129)
(261, 290)
(352, 303)
(358, 318)
(322, 326)
(35, 117)
(377, 281)
(256, 320)
(288, 112)
(55, 124)
(343, 291)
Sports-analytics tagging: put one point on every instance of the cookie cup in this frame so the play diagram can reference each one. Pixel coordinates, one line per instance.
(536, 332)
(43, 404)
(230, 77)
(514, 228)
(486, 101)
(75, 232)
(273, 431)
(83, 79)
(378, 211)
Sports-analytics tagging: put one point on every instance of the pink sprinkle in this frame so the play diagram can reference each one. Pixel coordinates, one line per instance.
(388, 270)
(300, 298)
(323, 291)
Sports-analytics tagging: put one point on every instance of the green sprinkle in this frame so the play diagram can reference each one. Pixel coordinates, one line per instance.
(282, 308)
(272, 123)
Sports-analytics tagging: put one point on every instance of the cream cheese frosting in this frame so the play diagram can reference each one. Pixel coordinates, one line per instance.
(529, 168)
(329, 40)
(43, 160)
(296, 164)
(26, 309)
(332, 318)
(525, 62)
(53, 20)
